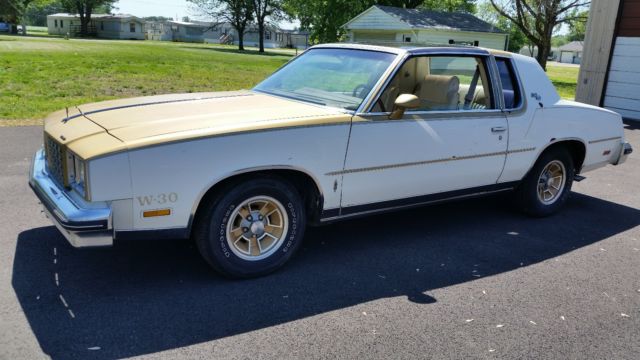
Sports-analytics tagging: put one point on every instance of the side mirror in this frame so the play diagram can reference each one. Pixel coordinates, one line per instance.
(402, 103)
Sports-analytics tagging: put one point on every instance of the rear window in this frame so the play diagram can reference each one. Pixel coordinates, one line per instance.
(510, 87)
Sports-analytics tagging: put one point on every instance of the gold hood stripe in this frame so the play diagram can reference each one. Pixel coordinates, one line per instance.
(85, 114)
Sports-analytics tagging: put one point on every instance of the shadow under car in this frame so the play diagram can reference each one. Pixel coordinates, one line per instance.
(143, 297)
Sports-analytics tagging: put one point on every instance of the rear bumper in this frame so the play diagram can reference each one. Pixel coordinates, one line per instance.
(81, 226)
(625, 151)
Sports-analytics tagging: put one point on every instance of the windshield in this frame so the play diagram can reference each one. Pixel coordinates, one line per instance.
(334, 77)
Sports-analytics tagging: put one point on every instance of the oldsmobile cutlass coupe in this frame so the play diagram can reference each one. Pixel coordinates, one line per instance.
(340, 131)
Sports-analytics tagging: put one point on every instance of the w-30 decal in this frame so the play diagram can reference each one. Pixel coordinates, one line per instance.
(158, 199)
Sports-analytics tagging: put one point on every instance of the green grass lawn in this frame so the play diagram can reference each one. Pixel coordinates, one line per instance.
(41, 75)
(565, 79)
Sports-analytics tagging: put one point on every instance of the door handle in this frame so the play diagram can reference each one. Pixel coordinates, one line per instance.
(498, 129)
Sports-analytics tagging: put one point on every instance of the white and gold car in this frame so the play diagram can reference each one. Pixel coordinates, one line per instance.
(340, 131)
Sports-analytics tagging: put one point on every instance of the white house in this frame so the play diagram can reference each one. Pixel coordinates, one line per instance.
(388, 25)
(183, 31)
(106, 26)
(204, 32)
(571, 53)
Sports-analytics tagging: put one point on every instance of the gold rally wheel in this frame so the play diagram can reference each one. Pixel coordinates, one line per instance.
(547, 187)
(251, 228)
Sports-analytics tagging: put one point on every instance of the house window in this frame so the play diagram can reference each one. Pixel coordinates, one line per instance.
(61, 23)
(407, 39)
(55, 22)
(476, 43)
(462, 42)
(132, 27)
(101, 25)
(267, 35)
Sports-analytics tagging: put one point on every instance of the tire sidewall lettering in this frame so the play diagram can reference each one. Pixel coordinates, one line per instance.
(222, 233)
(221, 247)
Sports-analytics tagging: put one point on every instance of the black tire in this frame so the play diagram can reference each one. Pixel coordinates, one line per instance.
(527, 192)
(210, 233)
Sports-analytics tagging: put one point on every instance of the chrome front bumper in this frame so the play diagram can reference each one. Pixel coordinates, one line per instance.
(82, 226)
(625, 151)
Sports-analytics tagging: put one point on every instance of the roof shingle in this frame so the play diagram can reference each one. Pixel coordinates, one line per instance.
(428, 19)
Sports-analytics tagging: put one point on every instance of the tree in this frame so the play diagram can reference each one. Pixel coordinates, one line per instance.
(36, 14)
(157, 18)
(324, 18)
(84, 9)
(239, 13)
(578, 27)
(9, 13)
(14, 11)
(263, 9)
(538, 18)
(450, 5)
(559, 40)
(517, 39)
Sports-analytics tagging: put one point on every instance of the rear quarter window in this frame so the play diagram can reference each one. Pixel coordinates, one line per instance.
(510, 87)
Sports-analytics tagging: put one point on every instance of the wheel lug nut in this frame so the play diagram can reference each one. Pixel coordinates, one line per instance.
(260, 217)
(249, 218)
(245, 229)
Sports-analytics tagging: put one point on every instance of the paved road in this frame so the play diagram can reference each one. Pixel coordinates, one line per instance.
(465, 280)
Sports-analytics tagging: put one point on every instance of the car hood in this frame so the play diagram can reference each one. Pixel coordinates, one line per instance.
(96, 129)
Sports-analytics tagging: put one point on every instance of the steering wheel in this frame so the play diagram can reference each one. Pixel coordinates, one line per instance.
(358, 89)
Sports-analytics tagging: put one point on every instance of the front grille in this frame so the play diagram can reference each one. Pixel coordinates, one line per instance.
(55, 159)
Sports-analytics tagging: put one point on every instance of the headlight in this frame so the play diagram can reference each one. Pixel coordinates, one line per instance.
(77, 174)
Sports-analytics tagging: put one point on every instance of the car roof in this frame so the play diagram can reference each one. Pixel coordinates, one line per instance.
(417, 50)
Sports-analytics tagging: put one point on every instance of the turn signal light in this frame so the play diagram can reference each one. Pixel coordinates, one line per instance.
(154, 213)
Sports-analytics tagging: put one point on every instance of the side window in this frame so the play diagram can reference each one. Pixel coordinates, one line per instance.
(510, 87)
(442, 83)
(132, 27)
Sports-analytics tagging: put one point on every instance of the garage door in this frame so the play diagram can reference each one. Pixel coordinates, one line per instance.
(623, 88)
(566, 57)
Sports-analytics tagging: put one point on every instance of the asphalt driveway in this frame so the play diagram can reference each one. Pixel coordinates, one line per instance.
(471, 279)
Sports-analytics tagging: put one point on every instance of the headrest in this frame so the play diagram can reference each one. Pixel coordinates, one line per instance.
(438, 88)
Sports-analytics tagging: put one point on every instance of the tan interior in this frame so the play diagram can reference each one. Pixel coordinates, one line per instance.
(436, 92)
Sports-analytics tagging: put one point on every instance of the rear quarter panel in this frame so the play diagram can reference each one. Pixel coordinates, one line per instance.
(547, 120)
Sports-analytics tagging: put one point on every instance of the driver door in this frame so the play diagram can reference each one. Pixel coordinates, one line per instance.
(453, 145)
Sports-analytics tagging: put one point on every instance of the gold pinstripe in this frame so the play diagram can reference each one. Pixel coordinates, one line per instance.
(427, 162)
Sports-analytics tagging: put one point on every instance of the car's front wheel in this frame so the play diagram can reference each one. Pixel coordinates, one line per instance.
(251, 228)
(546, 188)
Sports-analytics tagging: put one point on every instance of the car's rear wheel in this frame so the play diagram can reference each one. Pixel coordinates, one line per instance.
(546, 188)
(252, 228)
